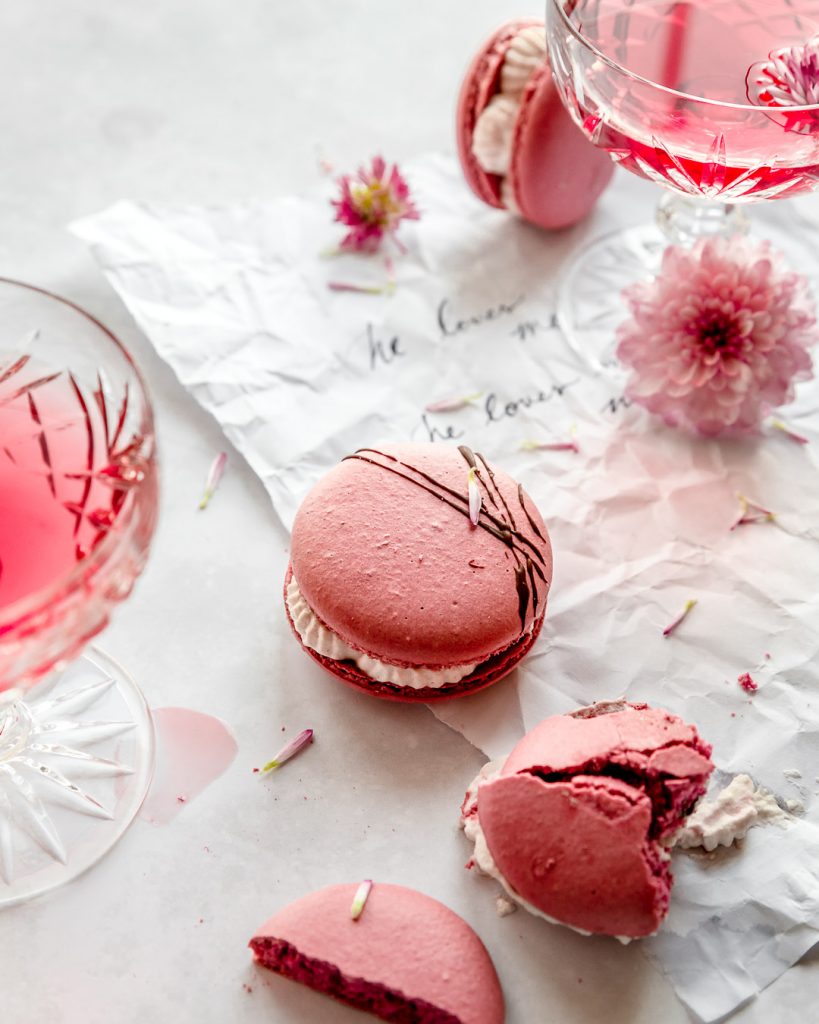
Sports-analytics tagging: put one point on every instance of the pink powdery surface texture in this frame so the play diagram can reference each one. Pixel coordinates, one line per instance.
(575, 819)
(407, 959)
(399, 573)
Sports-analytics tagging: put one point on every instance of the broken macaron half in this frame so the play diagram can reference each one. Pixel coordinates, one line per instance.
(576, 823)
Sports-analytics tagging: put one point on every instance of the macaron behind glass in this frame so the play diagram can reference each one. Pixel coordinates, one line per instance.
(418, 572)
(519, 148)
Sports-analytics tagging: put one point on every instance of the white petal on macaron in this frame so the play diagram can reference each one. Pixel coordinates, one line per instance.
(526, 52)
(492, 138)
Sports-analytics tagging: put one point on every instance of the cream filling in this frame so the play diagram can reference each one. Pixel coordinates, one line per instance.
(495, 127)
(483, 859)
(315, 635)
(728, 816)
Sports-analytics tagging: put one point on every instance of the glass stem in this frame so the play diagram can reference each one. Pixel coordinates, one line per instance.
(684, 221)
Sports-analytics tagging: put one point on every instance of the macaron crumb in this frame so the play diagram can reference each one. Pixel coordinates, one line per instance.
(504, 906)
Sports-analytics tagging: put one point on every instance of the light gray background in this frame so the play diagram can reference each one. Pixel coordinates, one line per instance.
(206, 101)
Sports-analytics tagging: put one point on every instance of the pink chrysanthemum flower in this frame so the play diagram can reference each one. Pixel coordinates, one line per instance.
(719, 337)
(373, 203)
(788, 78)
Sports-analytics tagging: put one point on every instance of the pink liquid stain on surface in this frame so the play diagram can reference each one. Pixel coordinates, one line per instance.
(193, 750)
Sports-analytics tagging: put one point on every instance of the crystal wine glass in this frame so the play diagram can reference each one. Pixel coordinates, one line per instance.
(715, 100)
(78, 500)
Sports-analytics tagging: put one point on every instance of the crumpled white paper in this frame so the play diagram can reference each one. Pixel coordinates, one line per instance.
(236, 300)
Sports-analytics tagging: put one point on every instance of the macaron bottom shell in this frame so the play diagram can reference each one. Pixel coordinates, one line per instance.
(488, 672)
(372, 997)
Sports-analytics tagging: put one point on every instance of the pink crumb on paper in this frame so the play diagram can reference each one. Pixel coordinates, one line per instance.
(747, 684)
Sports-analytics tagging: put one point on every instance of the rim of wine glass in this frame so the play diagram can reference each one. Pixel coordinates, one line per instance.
(32, 602)
(575, 31)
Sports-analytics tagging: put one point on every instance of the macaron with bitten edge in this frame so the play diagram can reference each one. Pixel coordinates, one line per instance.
(575, 823)
(400, 586)
(518, 146)
(406, 957)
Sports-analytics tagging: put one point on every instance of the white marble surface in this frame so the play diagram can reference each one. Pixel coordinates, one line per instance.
(179, 101)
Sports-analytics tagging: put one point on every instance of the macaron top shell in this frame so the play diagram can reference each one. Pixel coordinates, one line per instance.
(649, 739)
(403, 940)
(384, 553)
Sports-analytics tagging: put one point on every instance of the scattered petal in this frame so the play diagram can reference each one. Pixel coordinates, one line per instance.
(747, 684)
(295, 746)
(751, 512)
(362, 289)
(681, 617)
(454, 403)
(475, 500)
(360, 898)
(550, 446)
(214, 476)
(798, 438)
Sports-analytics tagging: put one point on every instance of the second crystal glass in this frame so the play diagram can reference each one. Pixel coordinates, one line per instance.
(703, 98)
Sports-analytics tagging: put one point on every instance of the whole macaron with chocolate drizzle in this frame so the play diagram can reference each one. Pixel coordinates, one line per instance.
(418, 572)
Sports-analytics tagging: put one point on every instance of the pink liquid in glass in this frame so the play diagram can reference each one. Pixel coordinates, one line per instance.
(721, 140)
(59, 488)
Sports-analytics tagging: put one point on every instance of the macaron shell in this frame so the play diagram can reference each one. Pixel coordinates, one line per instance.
(481, 82)
(563, 743)
(489, 672)
(399, 573)
(556, 174)
(404, 940)
(577, 850)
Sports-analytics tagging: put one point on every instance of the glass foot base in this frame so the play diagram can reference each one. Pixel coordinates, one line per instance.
(76, 760)
(590, 306)
(589, 302)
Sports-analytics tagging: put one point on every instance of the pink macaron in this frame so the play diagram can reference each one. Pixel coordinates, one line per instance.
(575, 823)
(518, 146)
(407, 957)
(418, 572)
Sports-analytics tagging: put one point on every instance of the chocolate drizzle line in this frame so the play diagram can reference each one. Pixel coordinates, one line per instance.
(498, 491)
(532, 523)
(521, 571)
(469, 455)
(522, 585)
(510, 536)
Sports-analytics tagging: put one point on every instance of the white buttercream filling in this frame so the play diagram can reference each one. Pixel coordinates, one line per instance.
(315, 635)
(728, 816)
(495, 126)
